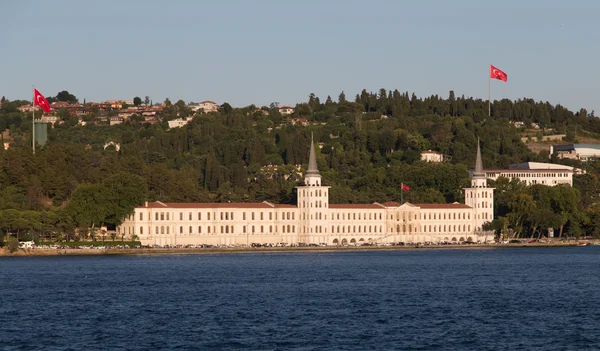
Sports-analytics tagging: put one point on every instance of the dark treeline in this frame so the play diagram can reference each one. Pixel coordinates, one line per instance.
(367, 147)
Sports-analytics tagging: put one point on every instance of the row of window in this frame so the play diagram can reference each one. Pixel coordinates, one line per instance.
(318, 204)
(224, 216)
(529, 175)
(442, 216)
(346, 229)
(318, 192)
(227, 229)
(340, 216)
(444, 229)
(317, 229)
(357, 216)
(485, 194)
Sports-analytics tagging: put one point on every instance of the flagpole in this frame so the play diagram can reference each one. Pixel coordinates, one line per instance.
(401, 193)
(489, 96)
(33, 114)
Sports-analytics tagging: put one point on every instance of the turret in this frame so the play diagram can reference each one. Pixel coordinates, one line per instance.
(479, 196)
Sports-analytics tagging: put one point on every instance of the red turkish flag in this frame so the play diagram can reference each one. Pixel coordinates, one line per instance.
(405, 187)
(40, 100)
(497, 74)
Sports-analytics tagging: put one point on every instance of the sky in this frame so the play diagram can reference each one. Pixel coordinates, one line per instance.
(263, 51)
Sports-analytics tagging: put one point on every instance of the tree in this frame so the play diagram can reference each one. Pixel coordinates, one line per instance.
(122, 192)
(147, 100)
(137, 101)
(66, 97)
(226, 108)
(88, 207)
(342, 97)
(13, 244)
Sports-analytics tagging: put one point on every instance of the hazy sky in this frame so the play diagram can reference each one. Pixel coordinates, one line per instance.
(258, 52)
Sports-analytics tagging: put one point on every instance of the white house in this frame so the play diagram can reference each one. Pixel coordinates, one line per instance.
(179, 122)
(206, 106)
(314, 220)
(286, 110)
(431, 156)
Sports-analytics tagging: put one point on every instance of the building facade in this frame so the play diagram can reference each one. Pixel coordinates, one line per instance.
(314, 220)
(432, 156)
(582, 152)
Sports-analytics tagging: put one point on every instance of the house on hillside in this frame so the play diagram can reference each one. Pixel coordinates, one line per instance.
(582, 152)
(286, 110)
(300, 121)
(206, 106)
(28, 108)
(432, 156)
(179, 122)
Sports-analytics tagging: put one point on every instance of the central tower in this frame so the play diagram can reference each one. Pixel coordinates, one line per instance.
(313, 203)
(479, 196)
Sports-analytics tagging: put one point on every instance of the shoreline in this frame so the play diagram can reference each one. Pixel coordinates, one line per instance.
(200, 251)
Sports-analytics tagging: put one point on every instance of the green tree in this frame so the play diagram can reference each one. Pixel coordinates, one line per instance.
(66, 97)
(137, 101)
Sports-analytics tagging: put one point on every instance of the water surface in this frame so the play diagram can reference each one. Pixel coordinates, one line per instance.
(477, 299)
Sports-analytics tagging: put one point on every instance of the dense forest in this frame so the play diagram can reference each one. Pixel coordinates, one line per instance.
(368, 146)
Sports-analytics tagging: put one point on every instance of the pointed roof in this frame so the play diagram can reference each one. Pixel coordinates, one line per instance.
(478, 162)
(312, 161)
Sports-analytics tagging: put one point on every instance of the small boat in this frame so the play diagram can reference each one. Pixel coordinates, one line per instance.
(584, 243)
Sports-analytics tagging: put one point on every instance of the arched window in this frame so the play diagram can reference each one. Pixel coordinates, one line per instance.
(168, 230)
(199, 230)
(180, 229)
(190, 232)
(162, 229)
(208, 229)
(141, 230)
(156, 230)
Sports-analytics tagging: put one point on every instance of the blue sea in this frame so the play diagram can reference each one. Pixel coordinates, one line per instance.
(422, 299)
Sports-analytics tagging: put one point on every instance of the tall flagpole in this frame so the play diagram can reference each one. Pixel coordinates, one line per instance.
(489, 96)
(33, 113)
(401, 193)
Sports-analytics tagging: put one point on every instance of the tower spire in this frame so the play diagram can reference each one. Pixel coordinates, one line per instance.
(478, 162)
(312, 160)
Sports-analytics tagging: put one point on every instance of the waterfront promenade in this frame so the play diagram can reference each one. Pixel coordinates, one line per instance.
(180, 251)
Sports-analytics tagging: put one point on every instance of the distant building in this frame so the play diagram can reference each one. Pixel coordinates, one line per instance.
(535, 173)
(286, 110)
(432, 156)
(582, 152)
(49, 119)
(543, 165)
(6, 139)
(300, 121)
(179, 122)
(114, 120)
(206, 106)
(28, 108)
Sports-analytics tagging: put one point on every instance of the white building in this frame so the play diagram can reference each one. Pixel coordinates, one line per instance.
(536, 173)
(314, 219)
(179, 122)
(206, 106)
(286, 110)
(582, 152)
(431, 156)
